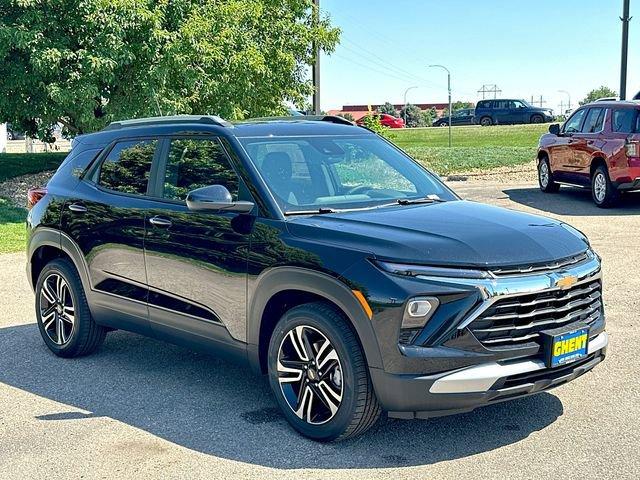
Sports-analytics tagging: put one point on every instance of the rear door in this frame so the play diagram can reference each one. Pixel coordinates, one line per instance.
(196, 261)
(105, 219)
(502, 112)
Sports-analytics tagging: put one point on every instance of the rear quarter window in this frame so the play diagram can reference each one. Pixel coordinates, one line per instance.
(484, 104)
(625, 120)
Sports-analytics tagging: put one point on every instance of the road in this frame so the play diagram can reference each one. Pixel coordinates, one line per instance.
(141, 408)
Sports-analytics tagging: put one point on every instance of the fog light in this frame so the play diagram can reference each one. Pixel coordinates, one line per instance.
(418, 311)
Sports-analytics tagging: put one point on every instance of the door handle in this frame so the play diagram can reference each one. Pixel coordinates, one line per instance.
(160, 222)
(590, 142)
(77, 208)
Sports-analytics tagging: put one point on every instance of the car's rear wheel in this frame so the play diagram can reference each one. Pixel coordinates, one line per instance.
(604, 194)
(319, 375)
(486, 121)
(537, 119)
(62, 312)
(545, 177)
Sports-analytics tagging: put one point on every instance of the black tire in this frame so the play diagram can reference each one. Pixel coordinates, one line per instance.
(84, 336)
(358, 409)
(486, 121)
(546, 182)
(604, 194)
(537, 119)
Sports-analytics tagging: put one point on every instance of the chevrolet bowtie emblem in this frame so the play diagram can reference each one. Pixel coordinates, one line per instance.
(566, 282)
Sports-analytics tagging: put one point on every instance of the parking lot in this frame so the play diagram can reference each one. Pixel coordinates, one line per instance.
(145, 409)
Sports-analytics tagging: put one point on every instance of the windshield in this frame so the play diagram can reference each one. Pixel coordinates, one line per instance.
(331, 173)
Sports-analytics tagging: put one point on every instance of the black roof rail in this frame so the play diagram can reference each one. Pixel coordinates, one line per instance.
(311, 118)
(172, 119)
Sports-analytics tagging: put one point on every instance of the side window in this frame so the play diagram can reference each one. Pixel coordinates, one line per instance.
(625, 120)
(517, 104)
(195, 163)
(593, 122)
(484, 104)
(573, 124)
(126, 168)
(501, 104)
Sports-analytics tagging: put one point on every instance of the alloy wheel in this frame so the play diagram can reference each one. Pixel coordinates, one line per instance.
(57, 311)
(544, 174)
(600, 187)
(310, 374)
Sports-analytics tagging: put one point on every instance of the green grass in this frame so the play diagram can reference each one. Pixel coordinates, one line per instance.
(12, 227)
(474, 147)
(15, 164)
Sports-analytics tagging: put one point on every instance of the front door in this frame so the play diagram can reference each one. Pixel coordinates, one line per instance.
(563, 159)
(588, 142)
(196, 261)
(104, 217)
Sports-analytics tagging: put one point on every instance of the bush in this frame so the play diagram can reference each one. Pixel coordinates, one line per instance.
(16, 164)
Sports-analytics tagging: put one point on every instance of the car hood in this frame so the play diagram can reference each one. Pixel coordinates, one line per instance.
(456, 233)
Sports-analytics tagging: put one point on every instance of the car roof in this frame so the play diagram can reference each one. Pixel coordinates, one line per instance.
(613, 103)
(257, 127)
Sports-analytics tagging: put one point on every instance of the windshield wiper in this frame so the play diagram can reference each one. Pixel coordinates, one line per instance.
(320, 211)
(413, 201)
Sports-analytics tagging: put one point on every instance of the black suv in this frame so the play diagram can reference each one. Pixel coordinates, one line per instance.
(318, 253)
(494, 112)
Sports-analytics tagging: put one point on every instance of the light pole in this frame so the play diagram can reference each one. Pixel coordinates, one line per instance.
(625, 47)
(449, 89)
(569, 97)
(405, 104)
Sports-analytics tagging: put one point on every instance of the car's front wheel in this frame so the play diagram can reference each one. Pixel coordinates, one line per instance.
(62, 312)
(545, 177)
(319, 375)
(537, 119)
(604, 194)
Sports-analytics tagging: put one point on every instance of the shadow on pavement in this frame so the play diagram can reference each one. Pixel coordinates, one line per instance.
(220, 409)
(572, 201)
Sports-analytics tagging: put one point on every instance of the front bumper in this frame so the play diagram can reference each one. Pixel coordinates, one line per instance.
(425, 396)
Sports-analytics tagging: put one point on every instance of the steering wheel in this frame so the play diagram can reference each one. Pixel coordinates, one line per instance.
(359, 189)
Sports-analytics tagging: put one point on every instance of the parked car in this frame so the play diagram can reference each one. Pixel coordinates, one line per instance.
(597, 147)
(460, 117)
(385, 119)
(494, 112)
(321, 255)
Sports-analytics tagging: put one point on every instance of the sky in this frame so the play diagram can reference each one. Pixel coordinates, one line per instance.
(532, 47)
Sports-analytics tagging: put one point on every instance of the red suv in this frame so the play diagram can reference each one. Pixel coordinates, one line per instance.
(386, 120)
(597, 147)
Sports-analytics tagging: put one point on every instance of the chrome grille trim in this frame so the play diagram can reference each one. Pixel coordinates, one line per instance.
(541, 268)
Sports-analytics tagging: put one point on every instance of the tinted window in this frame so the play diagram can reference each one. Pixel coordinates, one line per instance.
(484, 104)
(126, 168)
(501, 104)
(195, 163)
(594, 121)
(625, 120)
(573, 124)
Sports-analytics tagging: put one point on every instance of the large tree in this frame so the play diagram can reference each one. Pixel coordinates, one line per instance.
(595, 94)
(85, 63)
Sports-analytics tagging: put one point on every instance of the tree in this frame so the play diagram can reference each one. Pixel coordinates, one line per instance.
(459, 105)
(347, 116)
(88, 62)
(413, 116)
(388, 108)
(597, 93)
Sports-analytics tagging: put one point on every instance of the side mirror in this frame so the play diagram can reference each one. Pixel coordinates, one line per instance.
(216, 197)
(554, 129)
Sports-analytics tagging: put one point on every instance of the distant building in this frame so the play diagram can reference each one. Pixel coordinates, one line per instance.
(359, 111)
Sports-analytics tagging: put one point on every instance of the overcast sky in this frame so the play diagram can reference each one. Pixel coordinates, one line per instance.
(532, 47)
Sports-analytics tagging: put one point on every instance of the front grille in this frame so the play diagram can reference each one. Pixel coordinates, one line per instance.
(514, 321)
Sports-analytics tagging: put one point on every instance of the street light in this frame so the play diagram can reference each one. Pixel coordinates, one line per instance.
(568, 95)
(405, 104)
(449, 89)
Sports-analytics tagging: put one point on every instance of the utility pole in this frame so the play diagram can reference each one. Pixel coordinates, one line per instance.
(568, 96)
(316, 62)
(449, 89)
(490, 88)
(405, 104)
(625, 47)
